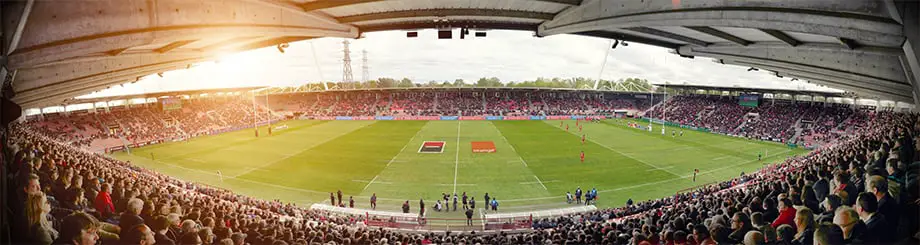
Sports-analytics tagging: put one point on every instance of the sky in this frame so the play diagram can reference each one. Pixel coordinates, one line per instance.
(507, 55)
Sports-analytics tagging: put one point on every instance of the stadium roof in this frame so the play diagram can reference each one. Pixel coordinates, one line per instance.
(757, 90)
(61, 49)
(161, 94)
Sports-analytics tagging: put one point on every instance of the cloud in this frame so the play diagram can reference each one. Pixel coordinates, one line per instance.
(508, 55)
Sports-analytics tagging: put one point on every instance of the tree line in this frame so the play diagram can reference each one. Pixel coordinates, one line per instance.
(628, 84)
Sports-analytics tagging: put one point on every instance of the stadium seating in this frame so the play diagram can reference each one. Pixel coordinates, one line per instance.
(875, 149)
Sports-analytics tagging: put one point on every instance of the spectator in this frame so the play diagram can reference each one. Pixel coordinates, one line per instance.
(805, 223)
(877, 226)
(103, 202)
(160, 226)
(740, 226)
(758, 223)
(785, 234)
(79, 229)
(851, 227)
(753, 237)
(138, 234)
(786, 213)
(40, 229)
(131, 217)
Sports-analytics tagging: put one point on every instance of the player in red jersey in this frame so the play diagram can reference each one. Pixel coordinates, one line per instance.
(566, 127)
(582, 156)
(582, 142)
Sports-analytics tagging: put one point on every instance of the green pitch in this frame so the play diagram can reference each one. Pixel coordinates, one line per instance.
(535, 162)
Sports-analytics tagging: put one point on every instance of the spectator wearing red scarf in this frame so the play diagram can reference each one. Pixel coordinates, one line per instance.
(103, 203)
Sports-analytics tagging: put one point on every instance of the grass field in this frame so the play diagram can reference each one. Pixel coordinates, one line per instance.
(536, 162)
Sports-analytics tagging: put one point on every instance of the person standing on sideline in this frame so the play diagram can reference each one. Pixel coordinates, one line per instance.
(494, 204)
(405, 207)
(465, 206)
(421, 207)
(472, 203)
(469, 217)
(487, 200)
(578, 195)
(351, 201)
(332, 198)
(340, 197)
(455, 201)
(374, 201)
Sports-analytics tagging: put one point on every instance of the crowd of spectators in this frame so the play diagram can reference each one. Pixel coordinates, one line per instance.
(861, 189)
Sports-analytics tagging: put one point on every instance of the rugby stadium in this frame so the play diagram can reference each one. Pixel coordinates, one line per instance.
(800, 126)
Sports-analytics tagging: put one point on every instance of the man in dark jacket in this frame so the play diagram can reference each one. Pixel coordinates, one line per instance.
(741, 224)
(878, 230)
(131, 217)
(821, 187)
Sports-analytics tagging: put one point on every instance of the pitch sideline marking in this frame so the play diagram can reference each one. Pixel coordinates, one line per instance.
(512, 147)
(301, 151)
(457, 157)
(369, 183)
(541, 182)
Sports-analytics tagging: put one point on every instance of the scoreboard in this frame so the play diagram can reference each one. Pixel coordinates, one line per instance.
(749, 100)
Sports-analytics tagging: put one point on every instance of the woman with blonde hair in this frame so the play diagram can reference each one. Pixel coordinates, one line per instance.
(805, 226)
(37, 209)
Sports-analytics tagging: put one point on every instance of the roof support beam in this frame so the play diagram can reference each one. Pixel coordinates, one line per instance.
(781, 36)
(17, 34)
(173, 45)
(720, 34)
(446, 12)
(325, 4)
(428, 24)
(631, 38)
(849, 43)
(132, 30)
(116, 52)
(854, 20)
(678, 37)
(566, 2)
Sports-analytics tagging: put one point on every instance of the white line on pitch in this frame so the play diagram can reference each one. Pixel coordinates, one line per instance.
(369, 183)
(455, 184)
(457, 158)
(720, 158)
(656, 169)
(392, 160)
(541, 182)
(512, 148)
(534, 182)
(630, 157)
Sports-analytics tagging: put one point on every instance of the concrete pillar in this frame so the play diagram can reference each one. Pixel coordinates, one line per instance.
(910, 16)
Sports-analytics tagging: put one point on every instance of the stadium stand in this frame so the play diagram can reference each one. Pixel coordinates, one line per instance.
(862, 185)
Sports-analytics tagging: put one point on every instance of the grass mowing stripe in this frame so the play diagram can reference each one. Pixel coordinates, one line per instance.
(512, 148)
(301, 151)
(626, 155)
